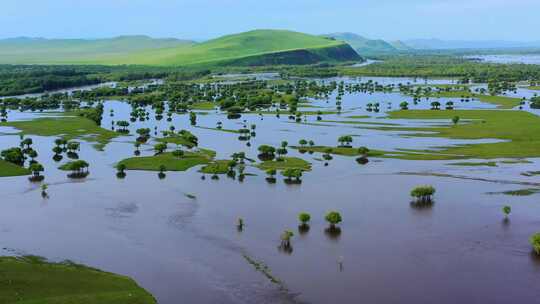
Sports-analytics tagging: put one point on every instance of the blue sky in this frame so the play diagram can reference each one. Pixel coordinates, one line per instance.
(203, 19)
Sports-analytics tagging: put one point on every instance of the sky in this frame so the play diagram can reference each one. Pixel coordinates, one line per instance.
(512, 20)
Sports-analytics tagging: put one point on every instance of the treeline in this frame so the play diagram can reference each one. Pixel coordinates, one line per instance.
(17, 80)
(445, 66)
(26, 79)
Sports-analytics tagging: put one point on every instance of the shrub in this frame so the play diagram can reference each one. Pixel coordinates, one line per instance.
(304, 217)
(535, 242)
(423, 193)
(333, 217)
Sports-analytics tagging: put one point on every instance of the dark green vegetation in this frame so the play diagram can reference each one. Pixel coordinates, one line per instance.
(261, 47)
(429, 65)
(33, 280)
(535, 242)
(171, 162)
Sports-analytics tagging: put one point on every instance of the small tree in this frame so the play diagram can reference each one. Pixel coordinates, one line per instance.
(535, 242)
(292, 173)
(160, 148)
(178, 153)
(404, 105)
(345, 140)
(507, 210)
(44, 188)
(423, 194)
(240, 224)
(271, 175)
(333, 218)
(286, 239)
(36, 169)
(363, 151)
(304, 218)
(455, 120)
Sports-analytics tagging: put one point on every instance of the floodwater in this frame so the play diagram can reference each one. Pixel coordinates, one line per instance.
(188, 250)
(509, 58)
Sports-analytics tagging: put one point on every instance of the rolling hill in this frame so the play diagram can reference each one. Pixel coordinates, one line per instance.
(259, 47)
(366, 47)
(25, 50)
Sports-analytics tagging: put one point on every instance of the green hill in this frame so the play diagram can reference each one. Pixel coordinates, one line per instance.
(59, 51)
(366, 46)
(400, 45)
(259, 47)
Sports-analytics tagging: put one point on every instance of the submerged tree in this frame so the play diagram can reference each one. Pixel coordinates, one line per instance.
(507, 210)
(333, 218)
(162, 170)
(44, 188)
(271, 179)
(286, 237)
(292, 173)
(304, 219)
(345, 140)
(535, 242)
(36, 169)
(160, 148)
(422, 196)
(121, 170)
(78, 168)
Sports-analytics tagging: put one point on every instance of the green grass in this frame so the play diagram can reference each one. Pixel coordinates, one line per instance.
(176, 139)
(62, 51)
(355, 122)
(203, 106)
(153, 163)
(344, 151)
(217, 167)
(536, 88)
(9, 169)
(32, 280)
(471, 164)
(519, 129)
(502, 102)
(284, 112)
(286, 163)
(243, 47)
(231, 47)
(521, 192)
(358, 116)
(68, 127)
(221, 130)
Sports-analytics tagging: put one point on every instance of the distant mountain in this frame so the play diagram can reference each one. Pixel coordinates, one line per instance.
(259, 47)
(400, 45)
(25, 50)
(365, 46)
(437, 44)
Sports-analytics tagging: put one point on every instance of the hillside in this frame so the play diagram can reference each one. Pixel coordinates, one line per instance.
(366, 47)
(25, 50)
(257, 47)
